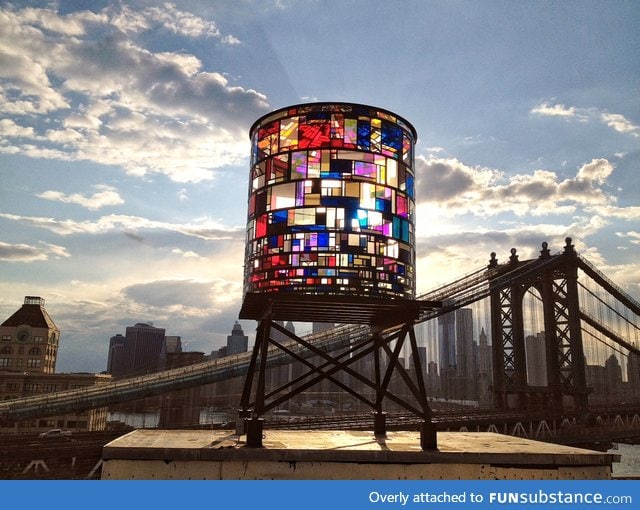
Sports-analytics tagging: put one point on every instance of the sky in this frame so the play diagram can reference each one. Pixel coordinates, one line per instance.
(124, 148)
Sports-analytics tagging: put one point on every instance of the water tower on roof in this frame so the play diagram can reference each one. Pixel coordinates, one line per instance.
(330, 238)
(331, 209)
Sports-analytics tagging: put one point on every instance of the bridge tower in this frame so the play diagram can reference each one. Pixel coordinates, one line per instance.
(556, 280)
(330, 238)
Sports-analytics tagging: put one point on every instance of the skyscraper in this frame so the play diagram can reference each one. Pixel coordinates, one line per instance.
(457, 366)
(237, 341)
(464, 342)
(141, 352)
(536, 359)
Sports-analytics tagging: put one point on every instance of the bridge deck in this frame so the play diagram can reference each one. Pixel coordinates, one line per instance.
(342, 454)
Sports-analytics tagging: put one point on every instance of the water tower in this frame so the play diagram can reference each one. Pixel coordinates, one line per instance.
(331, 238)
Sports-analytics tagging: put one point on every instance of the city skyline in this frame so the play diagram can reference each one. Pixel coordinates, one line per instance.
(124, 147)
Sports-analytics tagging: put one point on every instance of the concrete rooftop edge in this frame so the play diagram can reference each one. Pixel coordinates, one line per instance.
(349, 446)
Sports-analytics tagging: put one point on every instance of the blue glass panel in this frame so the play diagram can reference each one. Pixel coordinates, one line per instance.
(311, 116)
(396, 227)
(405, 230)
(383, 205)
(331, 174)
(391, 135)
(323, 239)
(280, 216)
(364, 134)
(410, 180)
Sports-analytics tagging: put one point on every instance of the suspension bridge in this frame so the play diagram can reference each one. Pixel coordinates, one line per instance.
(590, 335)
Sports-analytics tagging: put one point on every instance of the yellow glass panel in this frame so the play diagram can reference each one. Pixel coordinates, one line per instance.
(367, 195)
(289, 132)
(392, 172)
(351, 189)
(312, 199)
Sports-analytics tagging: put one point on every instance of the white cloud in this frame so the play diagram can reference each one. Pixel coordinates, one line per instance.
(167, 17)
(107, 196)
(557, 110)
(9, 129)
(203, 228)
(616, 121)
(457, 189)
(98, 95)
(30, 253)
(183, 195)
(186, 254)
(620, 123)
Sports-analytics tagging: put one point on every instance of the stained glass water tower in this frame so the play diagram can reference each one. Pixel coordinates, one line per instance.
(330, 238)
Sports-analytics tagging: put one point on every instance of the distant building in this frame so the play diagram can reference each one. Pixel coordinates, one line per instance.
(485, 368)
(29, 339)
(116, 355)
(28, 352)
(173, 344)
(319, 327)
(633, 376)
(237, 341)
(457, 363)
(613, 374)
(22, 384)
(142, 351)
(535, 349)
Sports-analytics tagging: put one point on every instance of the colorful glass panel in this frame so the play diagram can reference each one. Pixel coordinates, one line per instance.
(330, 199)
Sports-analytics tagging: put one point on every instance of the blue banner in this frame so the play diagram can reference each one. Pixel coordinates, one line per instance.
(321, 495)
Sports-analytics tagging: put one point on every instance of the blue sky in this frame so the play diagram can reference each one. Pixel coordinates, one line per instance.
(124, 142)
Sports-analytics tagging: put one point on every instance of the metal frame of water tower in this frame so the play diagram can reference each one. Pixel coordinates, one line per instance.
(388, 321)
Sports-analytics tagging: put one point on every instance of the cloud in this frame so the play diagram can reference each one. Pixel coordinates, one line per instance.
(108, 196)
(447, 256)
(557, 110)
(183, 297)
(450, 185)
(620, 123)
(29, 253)
(9, 129)
(616, 121)
(204, 228)
(186, 254)
(167, 17)
(634, 237)
(86, 89)
(183, 195)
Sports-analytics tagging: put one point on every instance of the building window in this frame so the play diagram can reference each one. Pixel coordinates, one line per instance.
(6, 350)
(19, 362)
(5, 362)
(35, 351)
(31, 387)
(38, 339)
(49, 387)
(13, 387)
(6, 338)
(34, 363)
